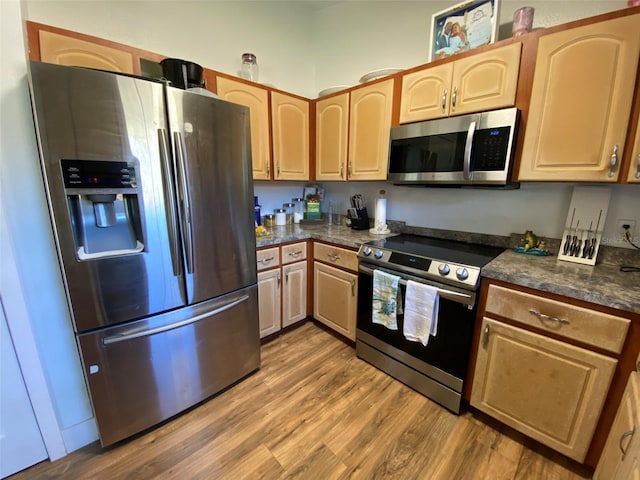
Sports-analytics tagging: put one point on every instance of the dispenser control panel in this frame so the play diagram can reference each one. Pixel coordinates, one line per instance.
(98, 174)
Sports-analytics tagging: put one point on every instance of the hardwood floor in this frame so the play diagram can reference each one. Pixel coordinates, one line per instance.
(316, 411)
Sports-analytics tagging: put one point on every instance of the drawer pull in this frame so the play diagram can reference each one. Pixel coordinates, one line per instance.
(629, 434)
(485, 336)
(353, 288)
(265, 260)
(332, 257)
(296, 254)
(543, 316)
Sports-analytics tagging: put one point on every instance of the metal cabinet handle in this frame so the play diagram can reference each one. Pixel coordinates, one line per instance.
(286, 276)
(638, 167)
(353, 288)
(629, 434)
(268, 169)
(444, 99)
(279, 279)
(466, 158)
(332, 257)
(277, 169)
(543, 316)
(265, 260)
(296, 254)
(613, 162)
(342, 170)
(349, 168)
(485, 336)
(454, 97)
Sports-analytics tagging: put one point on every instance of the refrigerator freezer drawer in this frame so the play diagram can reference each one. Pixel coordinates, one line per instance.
(144, 372)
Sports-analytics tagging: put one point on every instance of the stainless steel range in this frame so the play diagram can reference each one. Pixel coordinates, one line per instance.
(438, 369)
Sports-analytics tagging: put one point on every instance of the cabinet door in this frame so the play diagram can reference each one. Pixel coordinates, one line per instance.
(634, 167)
(332, 123)
(623, 436)
(63, 50)
(580, 102)
(485, 81)
(290, 123)
(269, 301)
(335, 299)
(294, 294)
(425, 94)
(258, 102)
(369, 128)
(546, 389)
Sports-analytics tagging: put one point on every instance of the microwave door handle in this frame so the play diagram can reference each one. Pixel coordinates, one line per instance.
(468, 174)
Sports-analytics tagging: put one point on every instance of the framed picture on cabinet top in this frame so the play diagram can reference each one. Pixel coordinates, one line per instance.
(463, 27)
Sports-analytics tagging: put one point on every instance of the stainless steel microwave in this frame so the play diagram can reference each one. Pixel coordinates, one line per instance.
(467, 150)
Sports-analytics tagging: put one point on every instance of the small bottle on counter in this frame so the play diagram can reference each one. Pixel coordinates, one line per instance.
(281, 217)
(269, 220)
(288, 208)
(298, 209)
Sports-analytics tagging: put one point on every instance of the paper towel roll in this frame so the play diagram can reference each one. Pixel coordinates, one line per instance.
(381, 214)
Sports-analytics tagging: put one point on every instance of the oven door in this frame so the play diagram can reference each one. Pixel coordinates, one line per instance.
(438, 369)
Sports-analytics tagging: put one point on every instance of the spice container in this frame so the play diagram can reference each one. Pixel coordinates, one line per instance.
(288, 208)
(249, 67)
(298, 209)
(269, 220)
(281, 217)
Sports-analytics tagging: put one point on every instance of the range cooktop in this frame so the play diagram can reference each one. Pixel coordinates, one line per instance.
(451, 261)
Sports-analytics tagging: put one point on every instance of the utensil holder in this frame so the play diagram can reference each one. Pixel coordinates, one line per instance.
(362, 221)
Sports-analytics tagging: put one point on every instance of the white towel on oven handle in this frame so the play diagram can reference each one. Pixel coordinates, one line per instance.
(420, 312)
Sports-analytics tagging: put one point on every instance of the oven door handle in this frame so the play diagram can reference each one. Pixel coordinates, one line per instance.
(465, 298)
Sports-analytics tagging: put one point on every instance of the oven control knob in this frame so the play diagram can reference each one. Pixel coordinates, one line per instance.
(366, 251)
(444, 269)
(378, 254)
(462, 274)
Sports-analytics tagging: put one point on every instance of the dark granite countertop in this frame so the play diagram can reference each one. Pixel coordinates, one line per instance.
(602, 284)
(337, 234)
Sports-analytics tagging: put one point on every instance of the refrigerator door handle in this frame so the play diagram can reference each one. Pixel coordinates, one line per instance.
(152, 331)
(170, 199)
(186, 205)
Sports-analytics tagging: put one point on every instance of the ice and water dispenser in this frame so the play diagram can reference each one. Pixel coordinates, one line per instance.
(104, 207)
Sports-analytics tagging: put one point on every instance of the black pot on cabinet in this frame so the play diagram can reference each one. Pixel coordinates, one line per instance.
(182, 73)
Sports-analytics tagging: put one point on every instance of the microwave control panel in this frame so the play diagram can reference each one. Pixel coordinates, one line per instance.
(490, 146)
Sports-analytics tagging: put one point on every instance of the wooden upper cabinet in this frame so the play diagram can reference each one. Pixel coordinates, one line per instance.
(290, 124)
(71, 51)
(485, 81)
(369, 125)
(257, 100)
(634, 161)
(581, 97)
(332, 125)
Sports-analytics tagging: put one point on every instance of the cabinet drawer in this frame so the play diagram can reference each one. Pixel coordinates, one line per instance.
(294, 252)
(340, 257)
(588, 326)
(268, 258)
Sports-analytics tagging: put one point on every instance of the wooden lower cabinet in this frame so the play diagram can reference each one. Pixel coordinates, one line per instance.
(269, 294)
(620, 458)
(335, 299)
(282, 286)
(294, 293)
(545, 388)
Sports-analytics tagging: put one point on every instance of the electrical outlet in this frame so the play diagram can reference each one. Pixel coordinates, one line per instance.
(621, 230)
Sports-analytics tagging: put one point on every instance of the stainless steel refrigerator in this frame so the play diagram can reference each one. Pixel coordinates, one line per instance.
(151, 197)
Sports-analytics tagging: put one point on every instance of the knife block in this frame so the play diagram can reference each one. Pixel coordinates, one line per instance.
(362, 222)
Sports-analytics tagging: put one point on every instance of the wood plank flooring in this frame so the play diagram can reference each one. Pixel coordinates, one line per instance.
(316, 411)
